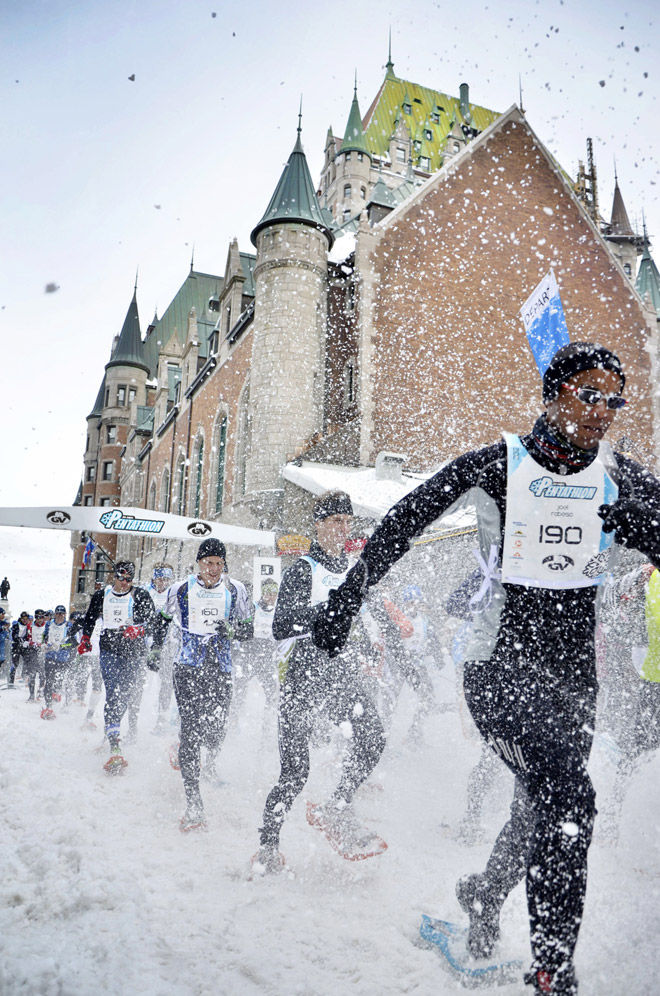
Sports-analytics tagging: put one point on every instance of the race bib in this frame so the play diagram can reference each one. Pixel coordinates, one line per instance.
(117, 609)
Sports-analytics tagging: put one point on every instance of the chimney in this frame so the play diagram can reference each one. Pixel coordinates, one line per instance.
(465, 102)
(389, 466)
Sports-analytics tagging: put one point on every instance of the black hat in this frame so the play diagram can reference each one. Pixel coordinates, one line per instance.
(572, 359)
(329, 503)
(124, 569)
(211, 547)
(60, 608)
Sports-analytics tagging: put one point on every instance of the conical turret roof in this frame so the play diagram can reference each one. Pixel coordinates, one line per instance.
(648, 278)
(97, 410)
(294, 199)
(129, 352)
(620, 223)
(354, 139)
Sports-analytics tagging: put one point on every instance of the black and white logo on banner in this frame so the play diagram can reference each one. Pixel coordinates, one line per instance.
(58, 518)
(199, 529)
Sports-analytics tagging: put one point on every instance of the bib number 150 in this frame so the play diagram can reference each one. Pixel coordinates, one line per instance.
(572, 535)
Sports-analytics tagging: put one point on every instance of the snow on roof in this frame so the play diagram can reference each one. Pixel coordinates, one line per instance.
(343, 247)
(371, 497)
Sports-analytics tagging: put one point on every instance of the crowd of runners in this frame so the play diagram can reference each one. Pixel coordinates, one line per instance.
(545, 617)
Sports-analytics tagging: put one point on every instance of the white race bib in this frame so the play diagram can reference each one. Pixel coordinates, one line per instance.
(117, 609)
(553, 535)
(206, 607)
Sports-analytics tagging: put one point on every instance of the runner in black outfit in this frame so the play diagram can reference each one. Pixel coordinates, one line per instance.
(530, 681)
(313, 687)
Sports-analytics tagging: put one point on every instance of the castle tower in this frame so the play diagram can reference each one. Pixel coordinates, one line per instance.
(353, 168)
(287, 371)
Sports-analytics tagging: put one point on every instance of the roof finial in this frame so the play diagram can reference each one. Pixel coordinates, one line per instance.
(136, 278)
(355, 84)
(390, 65)
(192, 258)
(616, 178)
(300, 118)
(522, 109)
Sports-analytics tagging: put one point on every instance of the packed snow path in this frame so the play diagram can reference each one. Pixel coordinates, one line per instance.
(102, 894)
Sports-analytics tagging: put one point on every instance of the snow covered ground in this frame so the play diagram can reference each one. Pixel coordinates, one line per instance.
(102, 894)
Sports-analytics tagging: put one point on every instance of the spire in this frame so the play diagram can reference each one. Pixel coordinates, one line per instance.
(389, 67)
(620, 227)
(128, 352)
(294, 199)
(354, 139)
(192, 258)
(97, 410)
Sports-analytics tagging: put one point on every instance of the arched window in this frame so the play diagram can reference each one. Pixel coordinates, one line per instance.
(165, 491)
(179, 485)
(198, 468)
(152, 496)
(220, 451)
(242, 440)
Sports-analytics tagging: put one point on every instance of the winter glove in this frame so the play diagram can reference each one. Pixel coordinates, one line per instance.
(635, 525)
(224, 630)
(133, 632)
(334, 619)
(153, 660)
(85, 645)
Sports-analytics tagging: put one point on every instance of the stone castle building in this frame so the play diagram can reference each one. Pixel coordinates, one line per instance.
(373, 328)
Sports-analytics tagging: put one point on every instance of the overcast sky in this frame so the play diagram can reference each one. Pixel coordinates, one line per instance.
(102, 174)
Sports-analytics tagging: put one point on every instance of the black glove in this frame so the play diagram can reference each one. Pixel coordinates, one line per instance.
(153, 660)
(224, 630)
(636, 525)
(333, 622)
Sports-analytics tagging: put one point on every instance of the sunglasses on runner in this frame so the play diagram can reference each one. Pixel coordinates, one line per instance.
(592, 396)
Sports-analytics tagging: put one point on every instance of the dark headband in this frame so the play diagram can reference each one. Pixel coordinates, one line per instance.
(332, 505)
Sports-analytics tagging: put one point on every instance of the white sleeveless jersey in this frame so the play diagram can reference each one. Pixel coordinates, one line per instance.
(38, 635)
(206, 607)
(56, 633)
(263, 623)
(553, 535)
(417, 640)
(159, 598)
(117, 609)
(323, 580)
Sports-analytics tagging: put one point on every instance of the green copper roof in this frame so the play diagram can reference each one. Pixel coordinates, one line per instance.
(648, 278)
(294, 199)
(430, 111)
(354, 136)
(382, 196)
(195, 292)
(98, 404)
(128, 352)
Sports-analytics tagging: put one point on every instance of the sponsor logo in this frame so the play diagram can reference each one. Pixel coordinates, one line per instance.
(128, 523)
(519, 523)
(545, 487)
(58, 518)
(558, 562)
(518, 532)
(199, 529)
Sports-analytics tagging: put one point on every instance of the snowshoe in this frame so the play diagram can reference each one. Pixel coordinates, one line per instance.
(193, 819)
(48, 714)
(115, 763)
(267, 861)
(89, 725)
(484, 915)
(173, 754)
(57, 697)
(346, 836)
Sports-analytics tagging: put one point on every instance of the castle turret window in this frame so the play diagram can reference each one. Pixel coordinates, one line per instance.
(107, 470)
(132, 394)
(111, 434)
(347, 190)
(91, 473)
(400, 155)
(347, 157)
(121, 395)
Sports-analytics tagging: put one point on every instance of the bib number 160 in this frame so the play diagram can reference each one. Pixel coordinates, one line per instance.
(572, 535)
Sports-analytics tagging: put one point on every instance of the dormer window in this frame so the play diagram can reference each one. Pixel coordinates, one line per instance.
(360, 157)
(400, 155)
(428, 134)
(425, 163)
(346, 214)
(347, 157)
(435, 117)
(214, 303)
(457, 146)
(407, 108)
(628, 269)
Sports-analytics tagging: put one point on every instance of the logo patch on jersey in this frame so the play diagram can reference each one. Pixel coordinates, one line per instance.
(128, 523)
(597, 565)
(545, 487)
(558, 562)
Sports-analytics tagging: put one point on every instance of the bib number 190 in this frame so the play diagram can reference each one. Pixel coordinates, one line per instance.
(572, 535)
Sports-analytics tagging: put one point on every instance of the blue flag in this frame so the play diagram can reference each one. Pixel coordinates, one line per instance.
(90, 546)
(543, 317)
